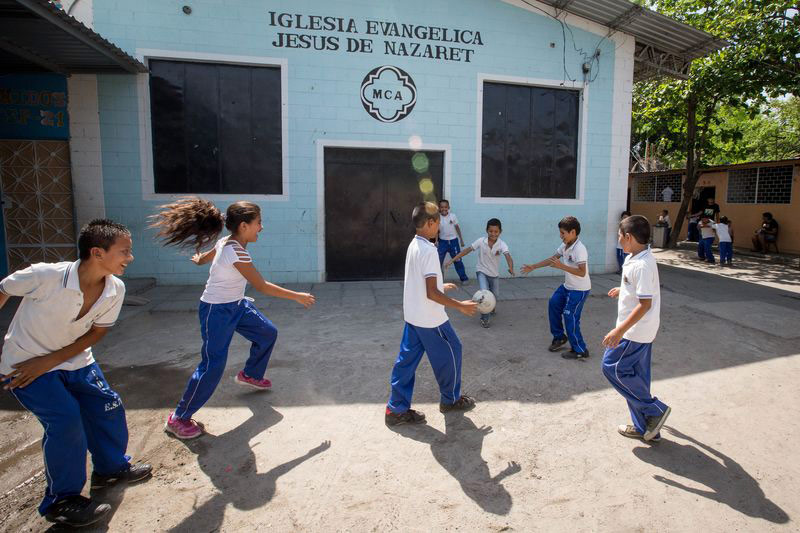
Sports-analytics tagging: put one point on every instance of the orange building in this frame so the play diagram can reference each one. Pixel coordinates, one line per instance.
(743, 193)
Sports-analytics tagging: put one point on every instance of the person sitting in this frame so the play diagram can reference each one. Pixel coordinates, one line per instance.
(767, 234)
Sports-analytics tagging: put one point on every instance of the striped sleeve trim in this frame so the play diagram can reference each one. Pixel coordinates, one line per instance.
(430, 275)
(645, 296)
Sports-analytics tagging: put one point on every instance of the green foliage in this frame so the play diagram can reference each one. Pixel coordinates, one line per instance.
(772, 134)
(762, 62)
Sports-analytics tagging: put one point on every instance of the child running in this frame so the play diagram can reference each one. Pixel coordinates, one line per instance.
(48, 365)
(490, 249)
(224, 309)
(626, 362)
(450, 238)
(566, 304)
(427, 328)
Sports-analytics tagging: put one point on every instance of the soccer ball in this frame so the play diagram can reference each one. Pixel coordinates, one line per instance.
(485, 300)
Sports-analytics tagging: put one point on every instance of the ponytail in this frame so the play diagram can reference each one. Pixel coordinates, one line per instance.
(189, 221)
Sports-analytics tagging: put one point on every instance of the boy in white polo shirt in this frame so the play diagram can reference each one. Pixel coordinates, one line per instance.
(427, 328)
(450, 239)
(490, 249)
(47, 364)
(566, 304)
(626, 362)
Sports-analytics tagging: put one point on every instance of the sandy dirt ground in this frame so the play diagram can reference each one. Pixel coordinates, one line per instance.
(539, 453)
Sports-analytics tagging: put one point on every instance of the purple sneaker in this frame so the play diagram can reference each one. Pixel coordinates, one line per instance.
(182, 428)
(246, 381)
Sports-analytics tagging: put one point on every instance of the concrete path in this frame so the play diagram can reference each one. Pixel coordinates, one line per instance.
(539, 453)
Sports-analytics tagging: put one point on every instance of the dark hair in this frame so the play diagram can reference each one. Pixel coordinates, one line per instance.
(767, 214)
(638, 226)
(625, 214)
(494, 222)
(724, 220)
(665, 211)
(99, 233)
(423, 212)
(569, 224)
(192, 221)
(444, 201)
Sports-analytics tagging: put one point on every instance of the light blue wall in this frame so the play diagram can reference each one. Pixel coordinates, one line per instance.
(323, 90)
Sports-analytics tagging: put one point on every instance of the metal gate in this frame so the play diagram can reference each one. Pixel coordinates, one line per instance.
(369, 196)
(37, 202)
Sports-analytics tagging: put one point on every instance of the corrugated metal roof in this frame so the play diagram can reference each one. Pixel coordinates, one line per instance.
(663, 45)
(35, 35)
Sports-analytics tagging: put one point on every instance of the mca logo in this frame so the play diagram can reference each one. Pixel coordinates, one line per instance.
(388, 93)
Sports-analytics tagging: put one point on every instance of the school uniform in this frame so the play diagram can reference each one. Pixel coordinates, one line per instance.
(427, 330)
(448, 243)
(627, 366)
(488, 269)
(704, 251)
(566, 304)
(725, 242)
(223, 310)
(73, 401)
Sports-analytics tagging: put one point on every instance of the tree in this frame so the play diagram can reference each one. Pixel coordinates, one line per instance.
(762, 62)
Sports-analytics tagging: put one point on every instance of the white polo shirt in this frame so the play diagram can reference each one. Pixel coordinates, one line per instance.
(225, 283)
(447, 227)
(422, 262)
(573, 256)
(489, 257)
(723, 232)
(640, 281)
(46, 318)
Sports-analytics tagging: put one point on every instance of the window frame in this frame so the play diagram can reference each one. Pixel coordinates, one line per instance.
(758, 170)
(145, 121)
(583, 110)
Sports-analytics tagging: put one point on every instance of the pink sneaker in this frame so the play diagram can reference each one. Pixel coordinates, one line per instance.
(246, 381)
(183, 429)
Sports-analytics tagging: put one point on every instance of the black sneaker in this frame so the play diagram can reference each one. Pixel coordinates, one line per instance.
(76, 511)
(572, 354)
(654, 424)
(465, 403)
(132, 474)
(557, 344)
(484, 322)
(408, 417)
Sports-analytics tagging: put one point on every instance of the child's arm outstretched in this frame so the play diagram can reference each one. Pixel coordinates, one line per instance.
(579, 270)
(249, 272)
(468, 307)
(463, 252)
(543, 263)
(205, 257)
(510, 262)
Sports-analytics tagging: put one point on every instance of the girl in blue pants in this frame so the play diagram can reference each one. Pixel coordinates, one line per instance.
(224, 309)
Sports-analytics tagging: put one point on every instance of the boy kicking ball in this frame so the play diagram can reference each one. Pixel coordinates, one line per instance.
(626, 362)
(427, 327)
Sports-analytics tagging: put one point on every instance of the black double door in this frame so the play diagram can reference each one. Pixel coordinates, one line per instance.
(369, 197)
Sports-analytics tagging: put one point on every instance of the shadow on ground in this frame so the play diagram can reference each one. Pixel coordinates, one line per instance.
(458, 450)
(723, 479)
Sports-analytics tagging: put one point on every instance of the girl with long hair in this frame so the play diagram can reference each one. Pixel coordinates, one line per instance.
(224, 309)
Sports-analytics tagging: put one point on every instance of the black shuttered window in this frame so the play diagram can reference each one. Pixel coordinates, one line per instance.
(216, 128)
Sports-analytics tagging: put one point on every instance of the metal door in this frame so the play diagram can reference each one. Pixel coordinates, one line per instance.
(37, 195)
(369, 196)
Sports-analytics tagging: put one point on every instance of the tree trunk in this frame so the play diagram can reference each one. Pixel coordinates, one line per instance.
(692, 172)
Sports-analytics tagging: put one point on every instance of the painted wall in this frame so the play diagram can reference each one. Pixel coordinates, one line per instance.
(746, 218)
(322, 106)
